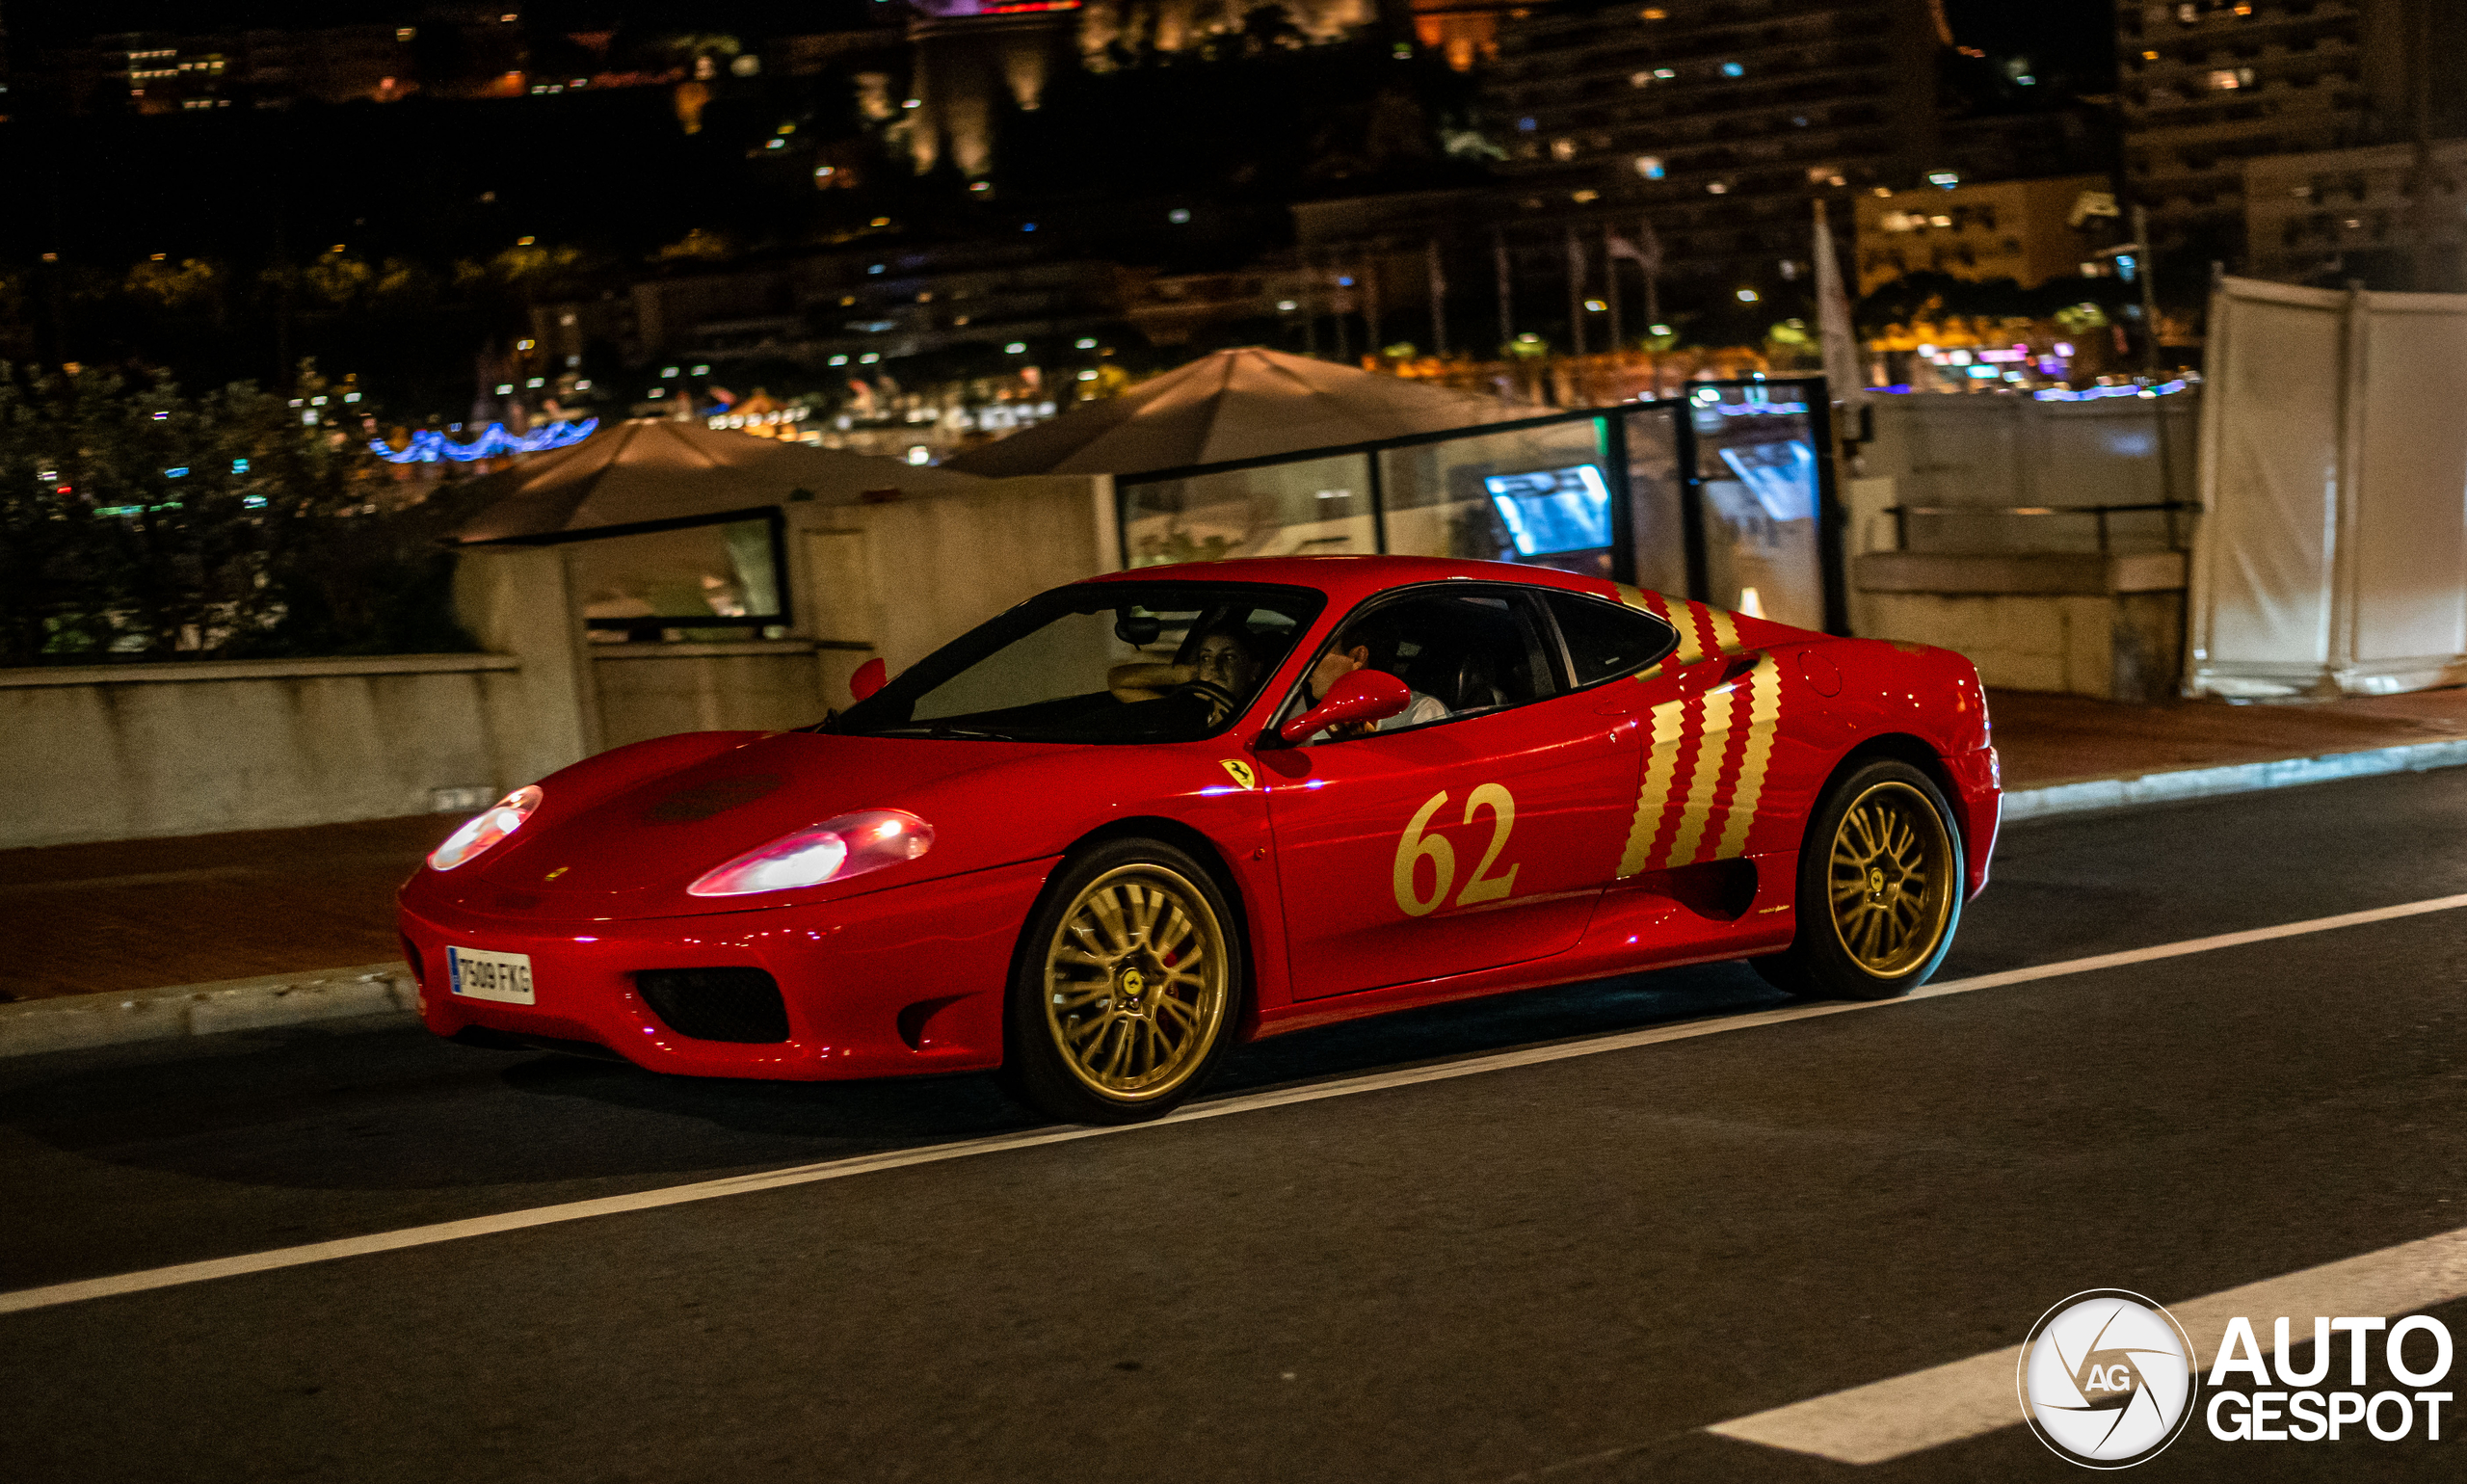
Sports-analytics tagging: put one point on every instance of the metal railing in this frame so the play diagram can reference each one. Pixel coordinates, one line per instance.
(1901, 515)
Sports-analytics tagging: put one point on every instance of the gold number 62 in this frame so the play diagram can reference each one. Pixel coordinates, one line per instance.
(1414, 846)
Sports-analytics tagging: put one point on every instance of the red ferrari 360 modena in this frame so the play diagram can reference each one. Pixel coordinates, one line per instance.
(1101, 839)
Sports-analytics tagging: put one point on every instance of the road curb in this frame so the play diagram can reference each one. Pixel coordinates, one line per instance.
(2182, 784)
(76, 1023)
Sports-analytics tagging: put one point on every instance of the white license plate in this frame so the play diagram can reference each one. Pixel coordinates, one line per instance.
(476, 973)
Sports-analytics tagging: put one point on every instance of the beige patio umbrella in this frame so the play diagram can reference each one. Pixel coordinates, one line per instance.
(651, 469)
(1239, 404)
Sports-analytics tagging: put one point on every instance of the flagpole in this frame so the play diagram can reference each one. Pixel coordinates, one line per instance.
(1371, 304)
(1576, 294)
(1835, 341)
(1847, 390)
(1652, 265)
(1310, 308)
(1610, 288)
(1336, 311)
(1507, 293)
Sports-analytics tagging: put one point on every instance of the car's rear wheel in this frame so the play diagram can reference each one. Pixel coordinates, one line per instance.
(1128, 984)
(1880, 889)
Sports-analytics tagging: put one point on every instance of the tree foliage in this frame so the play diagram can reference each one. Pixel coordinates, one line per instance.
(1929, 295)
(136, 520)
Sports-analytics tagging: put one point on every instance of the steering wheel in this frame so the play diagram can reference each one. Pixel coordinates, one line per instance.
(1214, 698)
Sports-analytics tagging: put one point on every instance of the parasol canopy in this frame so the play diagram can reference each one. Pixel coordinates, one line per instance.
(652, 469)
(1239, 404)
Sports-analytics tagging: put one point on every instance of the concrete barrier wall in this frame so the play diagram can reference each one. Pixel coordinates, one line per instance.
(1974, 452)
(2109, 626)
(653, 690)
(129, 752)
(901, 579)
(133, 751)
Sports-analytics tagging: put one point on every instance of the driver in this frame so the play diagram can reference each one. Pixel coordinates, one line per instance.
(1371, 642)
(1224, 665)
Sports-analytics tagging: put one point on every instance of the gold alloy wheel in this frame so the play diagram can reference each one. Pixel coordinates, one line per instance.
(1135, 982)
(1891, 880)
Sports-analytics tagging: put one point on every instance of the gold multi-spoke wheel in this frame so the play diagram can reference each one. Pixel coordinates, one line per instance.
(1129, 988)
(1136, 986)
(1880, 886)
(1889, 879)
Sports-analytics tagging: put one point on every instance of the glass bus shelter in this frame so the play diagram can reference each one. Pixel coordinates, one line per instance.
(1725, 494)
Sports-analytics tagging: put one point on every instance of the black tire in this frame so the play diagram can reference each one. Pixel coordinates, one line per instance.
(1115, 1019)
(1854, 884)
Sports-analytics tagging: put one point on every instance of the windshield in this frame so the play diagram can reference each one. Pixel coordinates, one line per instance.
(1097, 662)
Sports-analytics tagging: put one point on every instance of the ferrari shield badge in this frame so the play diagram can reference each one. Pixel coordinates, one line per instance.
(1242, 771)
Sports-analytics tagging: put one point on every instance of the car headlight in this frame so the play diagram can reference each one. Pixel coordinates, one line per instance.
(834, 850)
(482, 831)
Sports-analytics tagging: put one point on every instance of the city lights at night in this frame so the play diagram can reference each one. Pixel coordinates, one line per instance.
(1030, 740)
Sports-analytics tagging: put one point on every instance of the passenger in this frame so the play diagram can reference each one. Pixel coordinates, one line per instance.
(1369, 643)
(1224, 664)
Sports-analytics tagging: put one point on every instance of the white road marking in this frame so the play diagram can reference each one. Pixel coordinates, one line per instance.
(1926, 1409)
(22, 1299)
(2193, 945)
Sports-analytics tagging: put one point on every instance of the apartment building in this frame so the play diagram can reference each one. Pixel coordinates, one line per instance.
(1718, 118)
(2027, 230)
(2383, 215)
(2208, 87)
(867, 305)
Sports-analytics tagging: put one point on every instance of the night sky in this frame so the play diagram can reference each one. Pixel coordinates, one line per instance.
(40, 23)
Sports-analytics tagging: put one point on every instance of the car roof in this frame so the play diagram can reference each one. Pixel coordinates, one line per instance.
(1351, 578)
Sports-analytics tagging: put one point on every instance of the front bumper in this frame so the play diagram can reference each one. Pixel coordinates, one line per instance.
(891, 983)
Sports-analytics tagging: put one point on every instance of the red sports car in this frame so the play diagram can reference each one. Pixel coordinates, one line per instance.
(1139, 818)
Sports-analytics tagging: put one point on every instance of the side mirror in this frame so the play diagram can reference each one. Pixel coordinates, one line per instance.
(1362, 695)
(870, 676)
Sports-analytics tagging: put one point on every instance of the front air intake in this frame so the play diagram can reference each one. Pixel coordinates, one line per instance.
(716, 1004)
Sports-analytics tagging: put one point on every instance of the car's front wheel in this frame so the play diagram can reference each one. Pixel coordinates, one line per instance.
(1880, 889)
(1128, 983)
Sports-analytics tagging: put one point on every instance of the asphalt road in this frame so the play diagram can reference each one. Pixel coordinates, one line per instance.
(1565, 1270)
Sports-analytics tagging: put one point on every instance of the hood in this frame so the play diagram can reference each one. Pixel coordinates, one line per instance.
(635, 851)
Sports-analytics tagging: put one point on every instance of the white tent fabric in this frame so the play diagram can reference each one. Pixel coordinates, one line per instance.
(2332, 551)
(1242, 403)
(662, 469)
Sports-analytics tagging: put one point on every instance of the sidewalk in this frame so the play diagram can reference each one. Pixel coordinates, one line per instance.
(2047, 740)
(132, 915)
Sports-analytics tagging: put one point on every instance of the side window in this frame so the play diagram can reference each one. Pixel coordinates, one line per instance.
(1461, 651)
(1606, 639)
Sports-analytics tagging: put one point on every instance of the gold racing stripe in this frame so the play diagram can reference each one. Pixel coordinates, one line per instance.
(1703, 630)
(1695, 634)
(1764, 710)
(1677, 612)
(1725, 628)
(1653, 797)
(1734, 713)
(1701, 782)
